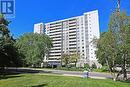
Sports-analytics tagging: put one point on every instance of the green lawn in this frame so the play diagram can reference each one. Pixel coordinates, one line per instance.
(37, 80)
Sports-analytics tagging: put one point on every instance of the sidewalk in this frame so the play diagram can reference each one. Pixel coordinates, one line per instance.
(96, 75)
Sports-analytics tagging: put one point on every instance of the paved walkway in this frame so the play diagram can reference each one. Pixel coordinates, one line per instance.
(80, 73)
(96, 75)
(62, 72)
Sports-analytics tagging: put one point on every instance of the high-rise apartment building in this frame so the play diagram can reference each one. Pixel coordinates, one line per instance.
(38, 28)
(74, 35)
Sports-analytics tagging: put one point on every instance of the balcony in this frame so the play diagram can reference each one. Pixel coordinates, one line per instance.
(53, 34)
(72, 47)
(72, 37)
(55, 27)
(56, 36)
(72, 43)
(57, 39)
(55, 51)
(54, 54)
(55, 31)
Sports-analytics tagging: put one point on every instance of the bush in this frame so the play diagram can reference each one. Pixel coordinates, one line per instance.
(86, 65)
(103, 69)
(94, 66)
(70, 68)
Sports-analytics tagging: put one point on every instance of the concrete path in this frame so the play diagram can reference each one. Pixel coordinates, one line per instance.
(80, 73)
(96, 75)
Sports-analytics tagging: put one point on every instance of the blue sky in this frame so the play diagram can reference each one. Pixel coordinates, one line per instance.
(29, 12)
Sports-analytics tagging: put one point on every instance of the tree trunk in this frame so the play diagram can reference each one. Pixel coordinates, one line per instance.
(124, 67)
(2, 71)
(118, 74)
(75, 63)
(110, 70)
(108, 65)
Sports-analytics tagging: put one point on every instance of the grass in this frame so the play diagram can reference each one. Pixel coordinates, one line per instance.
(40, 80)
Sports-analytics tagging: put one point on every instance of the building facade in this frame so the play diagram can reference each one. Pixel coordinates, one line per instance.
(74, 35)
(38, 28)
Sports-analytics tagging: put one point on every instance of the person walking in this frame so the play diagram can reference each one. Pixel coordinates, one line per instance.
(85, 73)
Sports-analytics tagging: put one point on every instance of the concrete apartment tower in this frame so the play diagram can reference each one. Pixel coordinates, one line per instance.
(74, 35)
(39, 28)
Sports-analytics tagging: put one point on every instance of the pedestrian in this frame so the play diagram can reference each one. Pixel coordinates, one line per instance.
(85, 73)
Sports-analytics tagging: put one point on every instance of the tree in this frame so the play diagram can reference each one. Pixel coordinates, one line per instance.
(70, 58)
(66, 59)
(33, 47)
(113, 46)
(124, 48)
(118, 24)
(8, 53)
(106, 52)
(74, 58)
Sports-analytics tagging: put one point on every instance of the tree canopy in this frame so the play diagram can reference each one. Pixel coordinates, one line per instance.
(114, 46)
(8, 52)
(34, 47)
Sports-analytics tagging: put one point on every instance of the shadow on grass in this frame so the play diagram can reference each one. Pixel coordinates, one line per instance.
(22, 71)
(42, 85)
(8, 76)
(127, 81)
(11, 73)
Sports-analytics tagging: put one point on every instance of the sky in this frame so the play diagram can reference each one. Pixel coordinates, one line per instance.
(29, 12)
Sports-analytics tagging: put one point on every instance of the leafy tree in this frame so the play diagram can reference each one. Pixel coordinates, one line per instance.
(9, 55)
(118, 24)
(70, 58)
(124, 49)
(66, 59)
(74, 58)
(113, 46)
(33, 47)
(106, 52)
